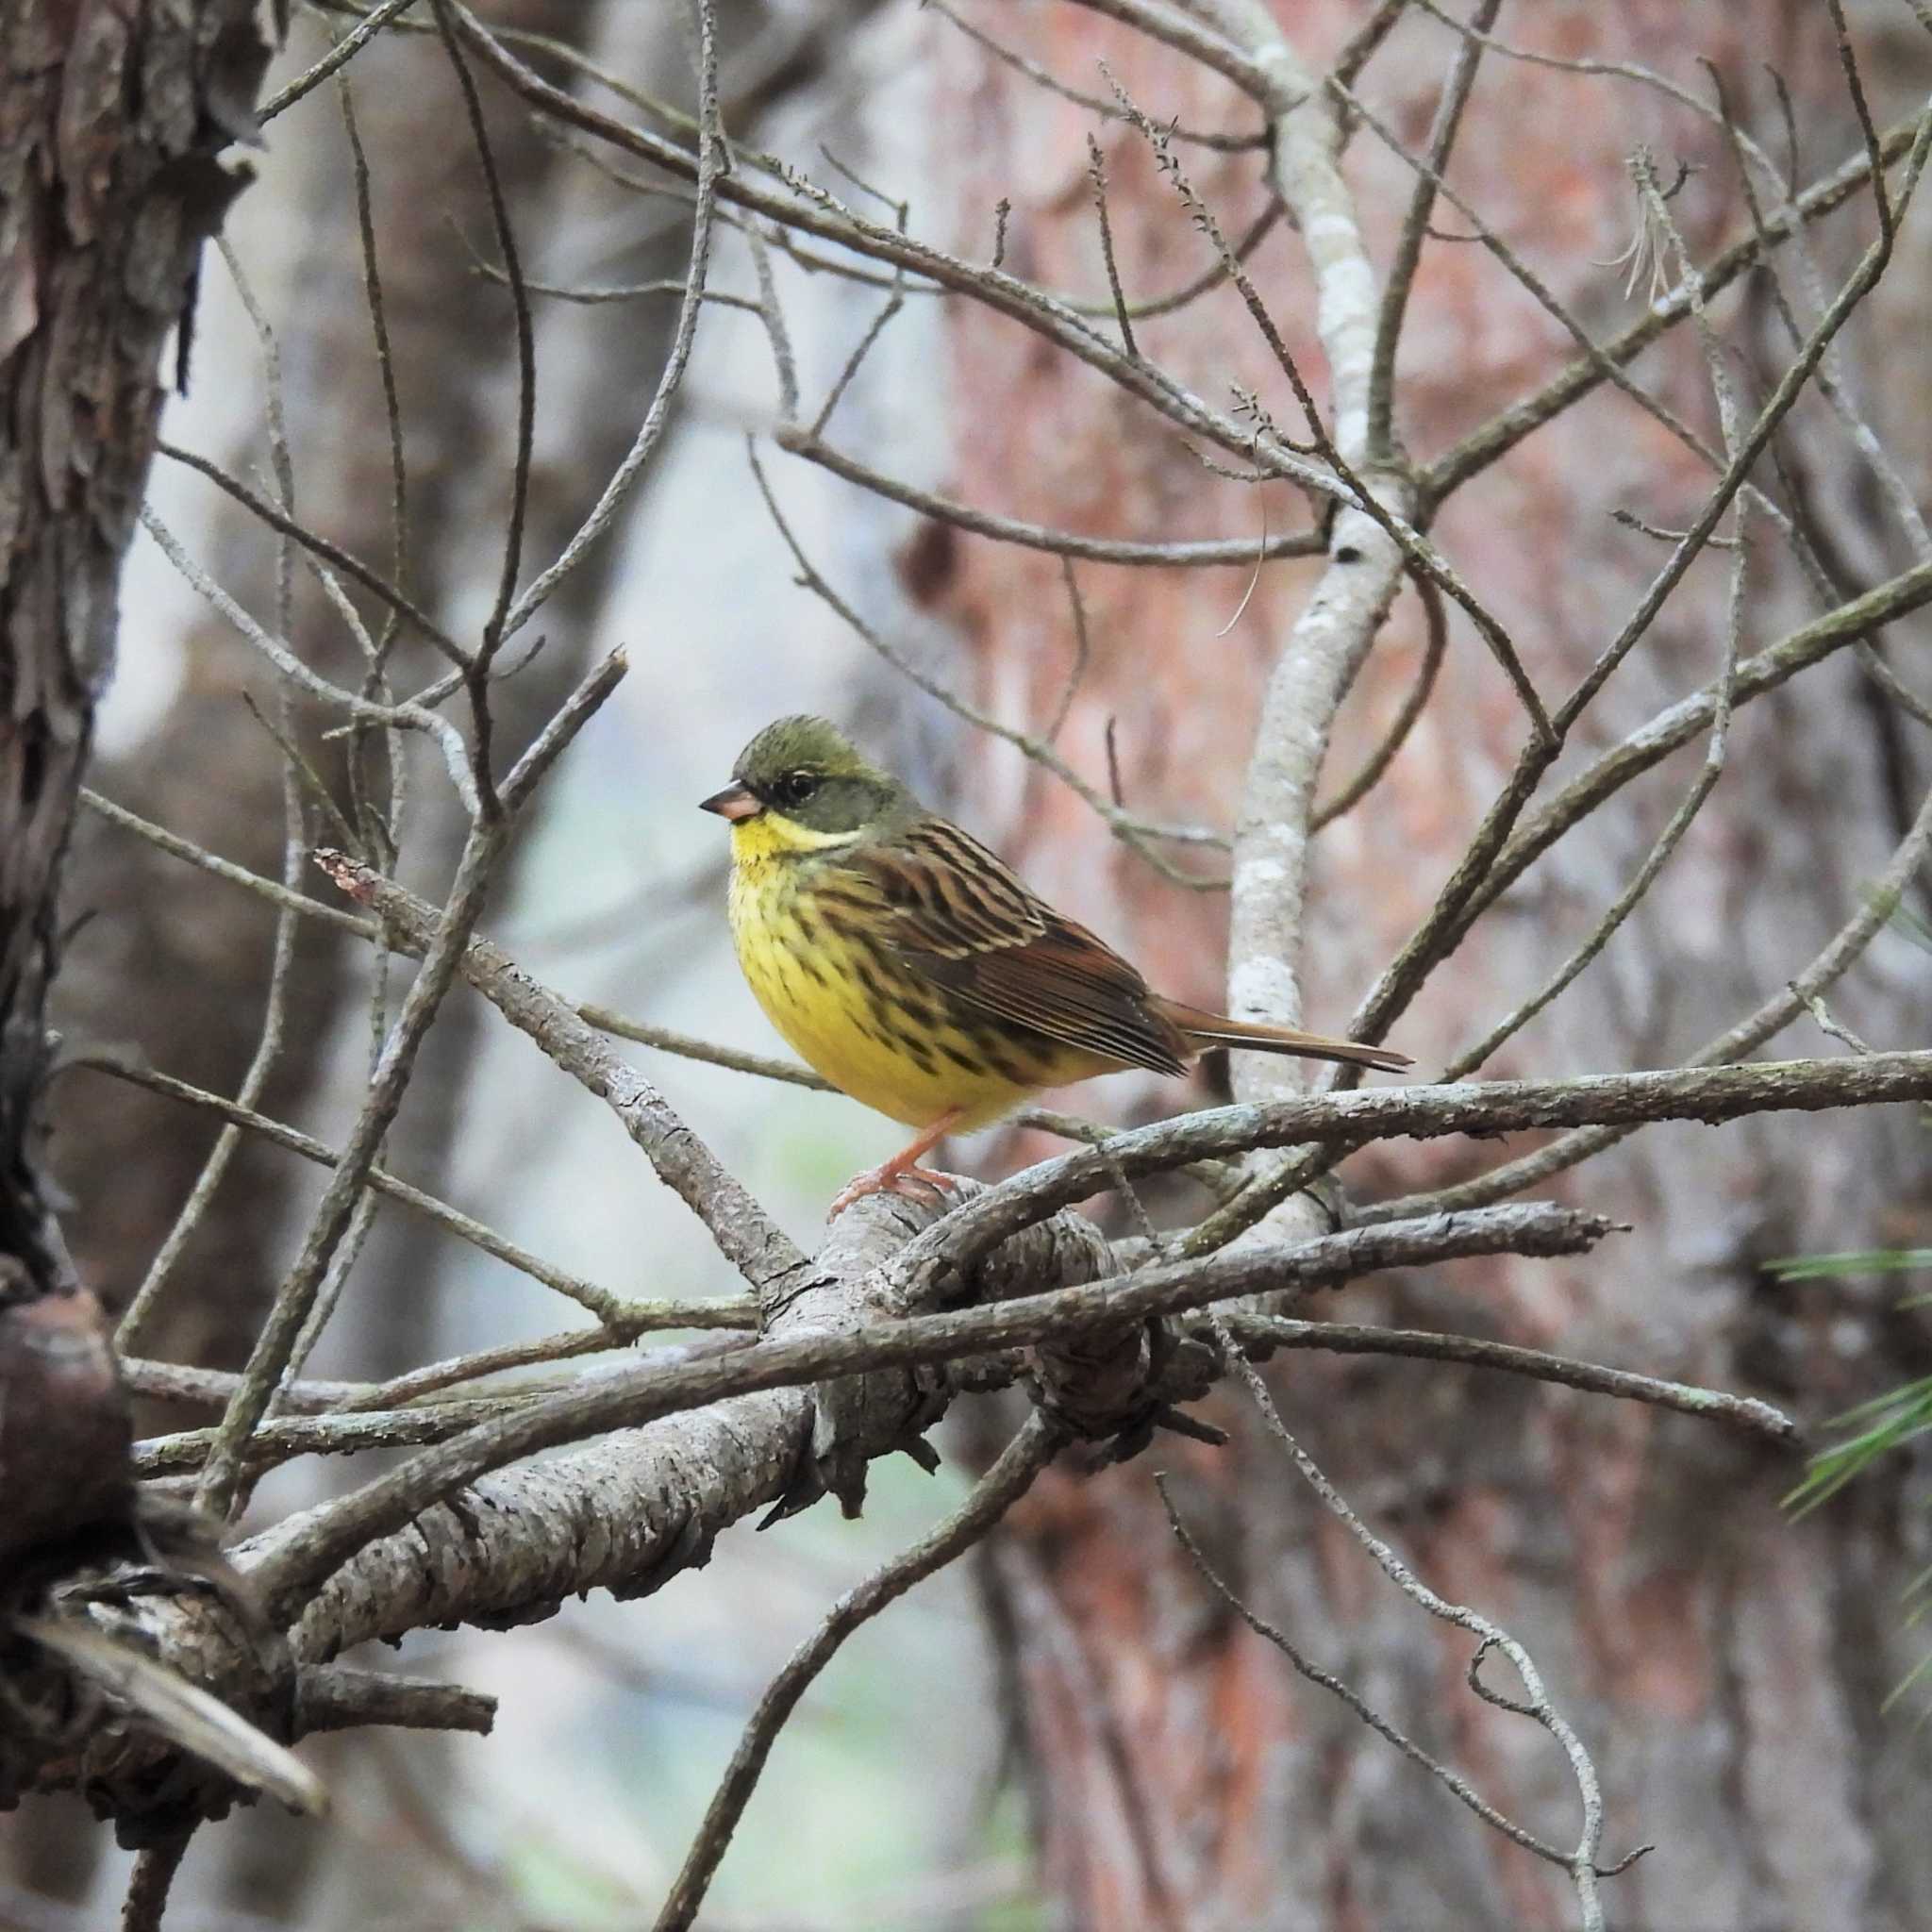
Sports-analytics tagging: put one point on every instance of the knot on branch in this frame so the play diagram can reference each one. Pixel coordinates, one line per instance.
(90, 1705)
(100, 1693)
(1107, 1383)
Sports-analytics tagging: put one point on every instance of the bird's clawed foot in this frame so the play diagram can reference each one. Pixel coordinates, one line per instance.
(902, 1174)
(889, 1179)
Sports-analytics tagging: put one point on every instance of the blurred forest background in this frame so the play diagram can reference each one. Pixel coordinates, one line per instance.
(1068, 1730)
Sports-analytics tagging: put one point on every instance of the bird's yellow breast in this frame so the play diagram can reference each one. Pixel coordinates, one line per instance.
(850, 1011)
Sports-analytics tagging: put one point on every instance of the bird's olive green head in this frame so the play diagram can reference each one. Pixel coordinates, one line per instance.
(807, 771)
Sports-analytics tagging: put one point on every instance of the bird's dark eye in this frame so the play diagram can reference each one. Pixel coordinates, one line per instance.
(795, 788)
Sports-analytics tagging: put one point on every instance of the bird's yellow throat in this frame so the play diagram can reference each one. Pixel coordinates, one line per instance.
(770, 835)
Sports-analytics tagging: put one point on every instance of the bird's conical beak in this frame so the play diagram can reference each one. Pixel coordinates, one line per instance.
(733, 802)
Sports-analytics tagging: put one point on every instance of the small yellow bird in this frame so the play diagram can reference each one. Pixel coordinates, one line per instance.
(916, 972)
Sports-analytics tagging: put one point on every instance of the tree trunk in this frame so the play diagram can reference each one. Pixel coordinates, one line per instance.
(110, 186)
(112, 117)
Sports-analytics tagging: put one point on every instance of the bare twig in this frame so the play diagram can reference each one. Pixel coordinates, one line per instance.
(1132, 831)
(337, 1697)
(622, 291)
(1359, 48)
(773, 315)
(1845, 947)
(526, 354)
(343, 51)
(1495, 438)
(1478, 877)
(705, 172)
(609, 1309)
(1452, 1781)
(1712, 767)
(221, 1480)
(1415, 223)
(736, 1313)
(882, 317)
(1002, 1485)
(1095, 104)
(1233, 551)
(1835, 1028)
(191, 853)
(1375, 766)
(147, 1297)
(1499, 850)
(151, 1881)
(211, 1388)
(810, 209)
(1258, 1334)
(1349, 452)
(443, 953)
(385, 369)
(1344, 1121)
(1608, 369)
(1582, 1862)
(286, 1437)
(744, 1234)
(1832, 380)
(1146, 307)
(1083, 648)
(1763, 671)
(1096, 174)
(331, 553)
(408, 715)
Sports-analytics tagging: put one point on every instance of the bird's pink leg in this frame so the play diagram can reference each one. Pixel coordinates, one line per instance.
(902, 1174)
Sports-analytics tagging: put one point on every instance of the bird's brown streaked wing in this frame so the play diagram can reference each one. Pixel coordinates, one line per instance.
(959, 918)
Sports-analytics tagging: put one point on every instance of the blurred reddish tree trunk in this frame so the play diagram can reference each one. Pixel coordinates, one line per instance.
(1725, 1664)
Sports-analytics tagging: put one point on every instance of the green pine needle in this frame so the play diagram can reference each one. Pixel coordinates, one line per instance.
(1856, 1261)
(1882, 1424)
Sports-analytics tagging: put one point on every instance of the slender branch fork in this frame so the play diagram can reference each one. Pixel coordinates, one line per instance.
(894, 1286)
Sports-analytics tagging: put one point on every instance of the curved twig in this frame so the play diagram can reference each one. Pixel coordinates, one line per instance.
(1002, 1485)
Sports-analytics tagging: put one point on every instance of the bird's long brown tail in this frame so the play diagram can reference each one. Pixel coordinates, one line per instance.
(1217, 1029)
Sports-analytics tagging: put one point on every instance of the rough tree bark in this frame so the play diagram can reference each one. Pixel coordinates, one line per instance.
(1182, 1776)
(108, 187)
(111, 118)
